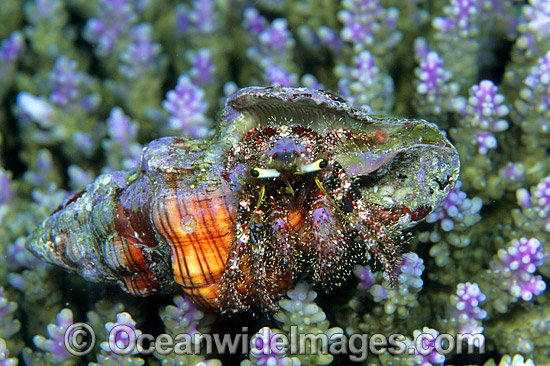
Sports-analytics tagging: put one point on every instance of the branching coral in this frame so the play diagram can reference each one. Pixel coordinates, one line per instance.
(396, 298)
(466, 313)
(515, 267)
(268, 350)
(301, 316)
(187, 108)
(8, 325)
(365, 85)
(4, 359)
(54, 347)
(120, 348)
(186, 321)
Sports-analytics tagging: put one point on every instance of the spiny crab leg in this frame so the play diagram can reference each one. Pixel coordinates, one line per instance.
(377, 226)
(250, 242)
(327, 237)
(229, 297)
(260, 260)
(284, 251)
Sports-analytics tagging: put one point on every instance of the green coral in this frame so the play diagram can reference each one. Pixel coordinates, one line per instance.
(186, 320)
(4, 359)
(9, 324)
(507, 360)
(523, 332)
(300, 317)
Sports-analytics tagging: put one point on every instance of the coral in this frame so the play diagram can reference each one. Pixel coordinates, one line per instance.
(269, 350)
(103, 311)
(8, 325)
(187, 108)
(36, 108)
(536, 205)
(272, 44)
(465, 313)
(121, 148)
(120, 348)
(525, 333)
(369, 26)
(10, 51)
(202, 72)
(140, 65)
(455, 221)
(54, 347)
(457, 211)
(427, 354)
(184, 319)
(511, 175)
(365, 276)
(271, 47)
(514, 266)
(112, 26)
(483, 115)
(507, 360)
(6, 191)
(396, 298)
(19, 256)
(424, 347)
(277, 76)
(66, 83)
(365, 85)
(436, 92)
(534, 99)
(534, 29)
(38, 294)
(202, 36)
(456, 33)
(49, 32)
(4, 359)
(330, 38)
(380, 308)
(482, 120)
(300, 315)
(68, 95)
(142, 55)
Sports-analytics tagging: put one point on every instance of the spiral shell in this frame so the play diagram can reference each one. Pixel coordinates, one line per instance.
(180, 219)
(168, 223)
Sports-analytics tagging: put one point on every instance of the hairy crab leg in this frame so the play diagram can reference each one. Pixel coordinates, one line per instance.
(230, 297)
(251, 246)
(261, 260)
(327, 236)
(377, 226)
(283, 243)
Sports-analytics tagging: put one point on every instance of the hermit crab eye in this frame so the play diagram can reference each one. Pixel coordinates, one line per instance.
(264, 173)
(315, 166)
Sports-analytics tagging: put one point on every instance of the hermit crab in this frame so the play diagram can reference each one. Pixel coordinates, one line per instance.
(296, 183)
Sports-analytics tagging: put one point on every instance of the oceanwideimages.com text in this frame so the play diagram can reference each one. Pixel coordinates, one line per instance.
(80, 340)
